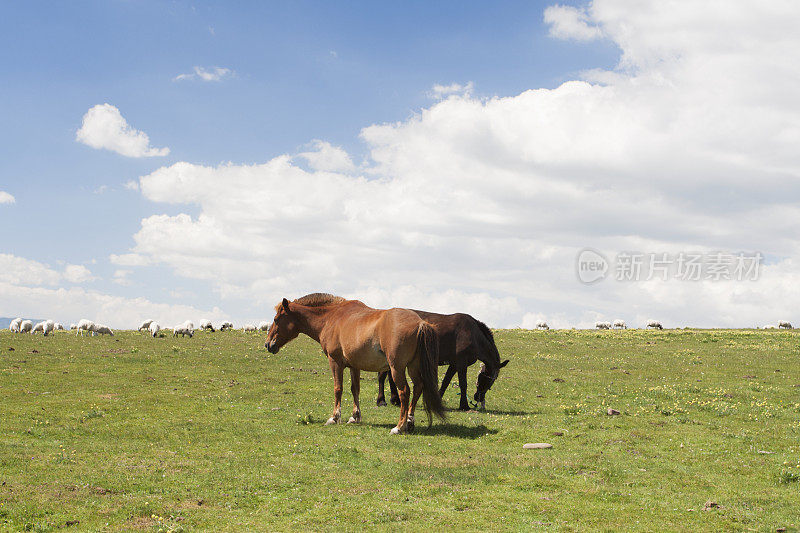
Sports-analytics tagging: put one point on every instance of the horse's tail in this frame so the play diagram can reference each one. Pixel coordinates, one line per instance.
(428, 351)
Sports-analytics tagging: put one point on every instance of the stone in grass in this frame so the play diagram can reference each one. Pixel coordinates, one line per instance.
(536, 446)
(612, 412)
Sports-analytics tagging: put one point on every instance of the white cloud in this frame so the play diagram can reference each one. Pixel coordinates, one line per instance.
(567, 22)
(482, 204)
(70, 305)
(206, 74)
(442, 91)
(77, 274)
(6, 198)
(327, 157)
(104, 127)
(121, 276)
(129, 260)
(131, 185)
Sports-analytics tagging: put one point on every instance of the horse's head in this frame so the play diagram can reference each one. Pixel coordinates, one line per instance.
(284, 327)
(486, 378)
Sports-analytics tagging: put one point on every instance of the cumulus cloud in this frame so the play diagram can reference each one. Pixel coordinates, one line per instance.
(327, 157)
(71, 304)
(483, 203)
(6, 198)
(77, 274)
(205, 74)
(567, 22)
(105, 127)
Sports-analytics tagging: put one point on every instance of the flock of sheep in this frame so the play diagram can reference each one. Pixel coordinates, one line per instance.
(655, 324)
(44, 327)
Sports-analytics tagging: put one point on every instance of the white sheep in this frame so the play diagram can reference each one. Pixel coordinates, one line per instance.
(59, 326)
(602, 325)
(25, 326)
(189, 324)
(183, 330)
(542, 325)
(145, 326)
(45, 326)
(226, 325)
(206, 324)
(84, 325)
(14, 325)
(248, 327)
(655, 324)
(154, 328)
(783, 324)
(39, 326)
(102, 330)
(263, 325)
(73, 326)
(620, 324)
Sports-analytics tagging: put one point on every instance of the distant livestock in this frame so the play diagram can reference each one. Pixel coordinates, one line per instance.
(226, 325)
(145, 326)
(189, 324)
(263, 325)
(248, 327)
(154, 328)
(206, 324)
(770, 326)
(620, 324)
(14, 325)
(102, 330)
(655, 324)
(183, 330)
(542, 325)
(73, 326)
(25, 326)
(784, 324)
(45, 326)
(59, 326)
(84, 325)
(602, 325)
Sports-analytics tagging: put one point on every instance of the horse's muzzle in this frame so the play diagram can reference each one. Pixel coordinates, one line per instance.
(271, 347)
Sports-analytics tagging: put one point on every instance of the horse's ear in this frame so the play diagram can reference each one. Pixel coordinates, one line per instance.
(504, 363)
(285, 305)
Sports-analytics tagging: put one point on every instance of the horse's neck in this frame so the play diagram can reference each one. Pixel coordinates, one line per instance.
(314, 320)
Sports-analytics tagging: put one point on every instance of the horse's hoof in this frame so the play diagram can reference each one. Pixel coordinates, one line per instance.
(381, 403)
(354, 420)
(331, 421)
(395, 431)
(396, 401)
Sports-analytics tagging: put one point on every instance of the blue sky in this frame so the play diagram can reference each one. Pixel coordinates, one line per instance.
(298, 71)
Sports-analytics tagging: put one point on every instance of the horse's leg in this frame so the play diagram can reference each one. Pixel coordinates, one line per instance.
(448, 375)
(337, 371)
(381, 401)
(399, 377)
(463, 405)
(355, 388)
(394, 396)
(416, 380)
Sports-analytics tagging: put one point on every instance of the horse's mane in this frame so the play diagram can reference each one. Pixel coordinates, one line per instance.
(317, 299)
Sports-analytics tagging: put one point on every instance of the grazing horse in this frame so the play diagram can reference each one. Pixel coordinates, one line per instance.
(462, 341)
(358, 337)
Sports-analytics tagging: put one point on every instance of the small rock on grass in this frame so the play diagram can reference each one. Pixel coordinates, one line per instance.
(536, 446)
(612, 412)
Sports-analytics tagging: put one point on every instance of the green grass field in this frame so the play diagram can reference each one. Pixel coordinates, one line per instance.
(213, 433)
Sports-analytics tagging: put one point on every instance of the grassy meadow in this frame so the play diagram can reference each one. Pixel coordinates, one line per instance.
(214, 434)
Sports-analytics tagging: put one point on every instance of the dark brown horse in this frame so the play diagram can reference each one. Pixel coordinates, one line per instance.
(462, 341)
(358, 337)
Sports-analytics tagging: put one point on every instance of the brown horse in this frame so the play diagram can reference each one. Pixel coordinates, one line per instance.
(358, 337)
(463, 340)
